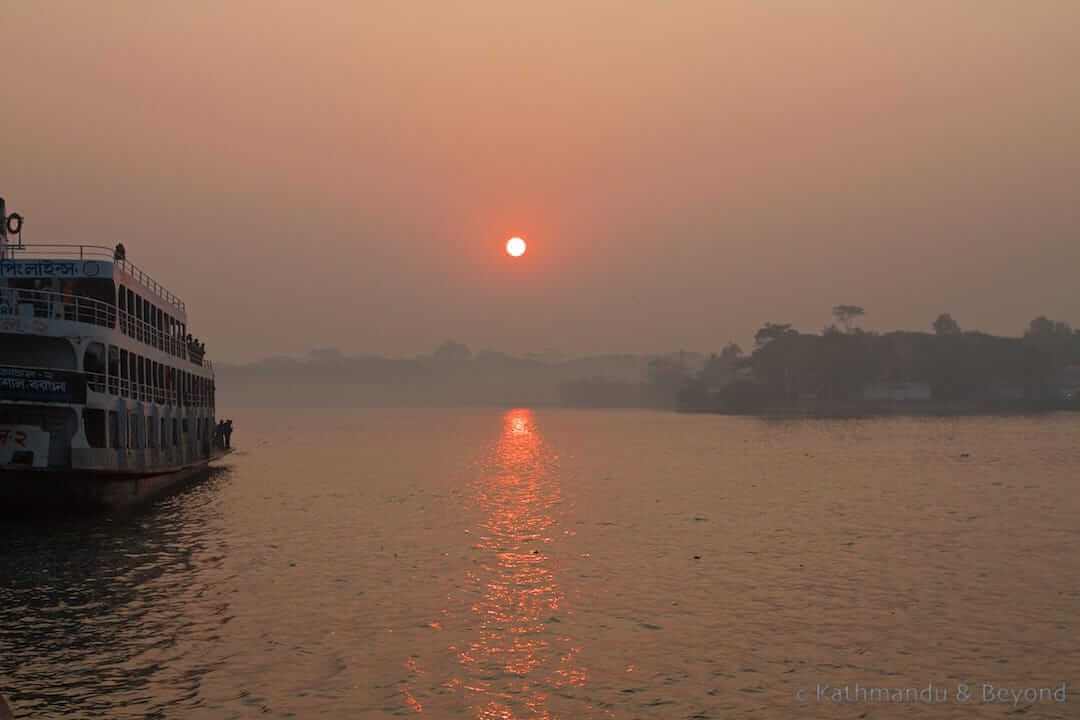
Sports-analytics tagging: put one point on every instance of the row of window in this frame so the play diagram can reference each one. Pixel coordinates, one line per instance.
(128, 374)
(146, 322)
(137, 434)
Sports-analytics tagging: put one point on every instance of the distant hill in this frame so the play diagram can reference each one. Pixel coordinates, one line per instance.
(450, 376)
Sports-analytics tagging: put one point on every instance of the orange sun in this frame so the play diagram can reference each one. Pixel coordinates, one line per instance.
(515, 247)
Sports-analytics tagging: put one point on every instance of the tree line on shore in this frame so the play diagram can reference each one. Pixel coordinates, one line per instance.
(839, 370)
(948, 369)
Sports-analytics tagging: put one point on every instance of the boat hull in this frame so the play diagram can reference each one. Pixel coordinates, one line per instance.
(24, 487)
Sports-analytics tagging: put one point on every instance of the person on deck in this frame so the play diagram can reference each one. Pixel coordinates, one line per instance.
(228, 434)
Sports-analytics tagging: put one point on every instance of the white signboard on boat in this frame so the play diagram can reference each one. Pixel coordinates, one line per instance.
(25, 445)
(55, 268)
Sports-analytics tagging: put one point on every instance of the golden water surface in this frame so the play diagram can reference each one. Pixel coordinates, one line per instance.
(529, 564)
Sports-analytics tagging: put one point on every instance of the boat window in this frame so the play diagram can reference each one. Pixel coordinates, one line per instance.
(133, 376)
(94, 358)
(94, 425)
(150, 433)
(142, 376)
(103, 291)
(164, 435)
(124, 374)
(114, 429)
(37, 351)
(121, 298)
(133, 428)
(114, 370)
(94, 367)
(175, 433)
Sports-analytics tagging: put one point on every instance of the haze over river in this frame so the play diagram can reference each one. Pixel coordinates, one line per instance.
(567, 564)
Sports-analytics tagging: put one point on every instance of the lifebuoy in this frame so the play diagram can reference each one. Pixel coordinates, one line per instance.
(14, 223)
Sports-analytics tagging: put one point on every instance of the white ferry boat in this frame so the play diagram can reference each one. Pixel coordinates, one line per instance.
(104, 395)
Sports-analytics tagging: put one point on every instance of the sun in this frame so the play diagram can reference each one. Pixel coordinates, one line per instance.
(515, 247)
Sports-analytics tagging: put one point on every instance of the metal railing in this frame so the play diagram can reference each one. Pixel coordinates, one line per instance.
(166, 342)
(149, 392)
(97, 252)
(57, 306)
(79, 308)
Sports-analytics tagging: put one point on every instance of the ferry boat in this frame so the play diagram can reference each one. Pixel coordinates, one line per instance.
(104, 395)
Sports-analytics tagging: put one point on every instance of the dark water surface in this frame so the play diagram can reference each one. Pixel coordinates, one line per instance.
(560, 564)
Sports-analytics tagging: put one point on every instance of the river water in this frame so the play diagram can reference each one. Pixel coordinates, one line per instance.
(499, 564)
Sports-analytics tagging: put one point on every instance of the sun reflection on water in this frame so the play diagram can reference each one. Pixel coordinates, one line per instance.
(517, 656)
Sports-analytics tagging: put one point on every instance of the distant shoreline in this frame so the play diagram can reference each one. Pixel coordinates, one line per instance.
(913, 410)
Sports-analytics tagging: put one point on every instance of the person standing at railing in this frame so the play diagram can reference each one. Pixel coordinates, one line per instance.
(67, 297)
(119, 254)
(40, 300)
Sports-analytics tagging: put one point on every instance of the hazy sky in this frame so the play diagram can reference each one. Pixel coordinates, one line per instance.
(312, 174)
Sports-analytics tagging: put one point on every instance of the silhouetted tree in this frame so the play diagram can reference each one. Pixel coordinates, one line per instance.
(771, 331)
(1044, 327)
(846, 315)
(731, 352)
(666, 376)
(1055, 339)
(451, 351)
(945, 325)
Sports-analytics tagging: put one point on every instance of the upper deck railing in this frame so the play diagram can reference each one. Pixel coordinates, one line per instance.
(94, 252)
(47, 304)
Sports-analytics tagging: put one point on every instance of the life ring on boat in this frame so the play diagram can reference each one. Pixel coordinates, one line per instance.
(14, 223)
